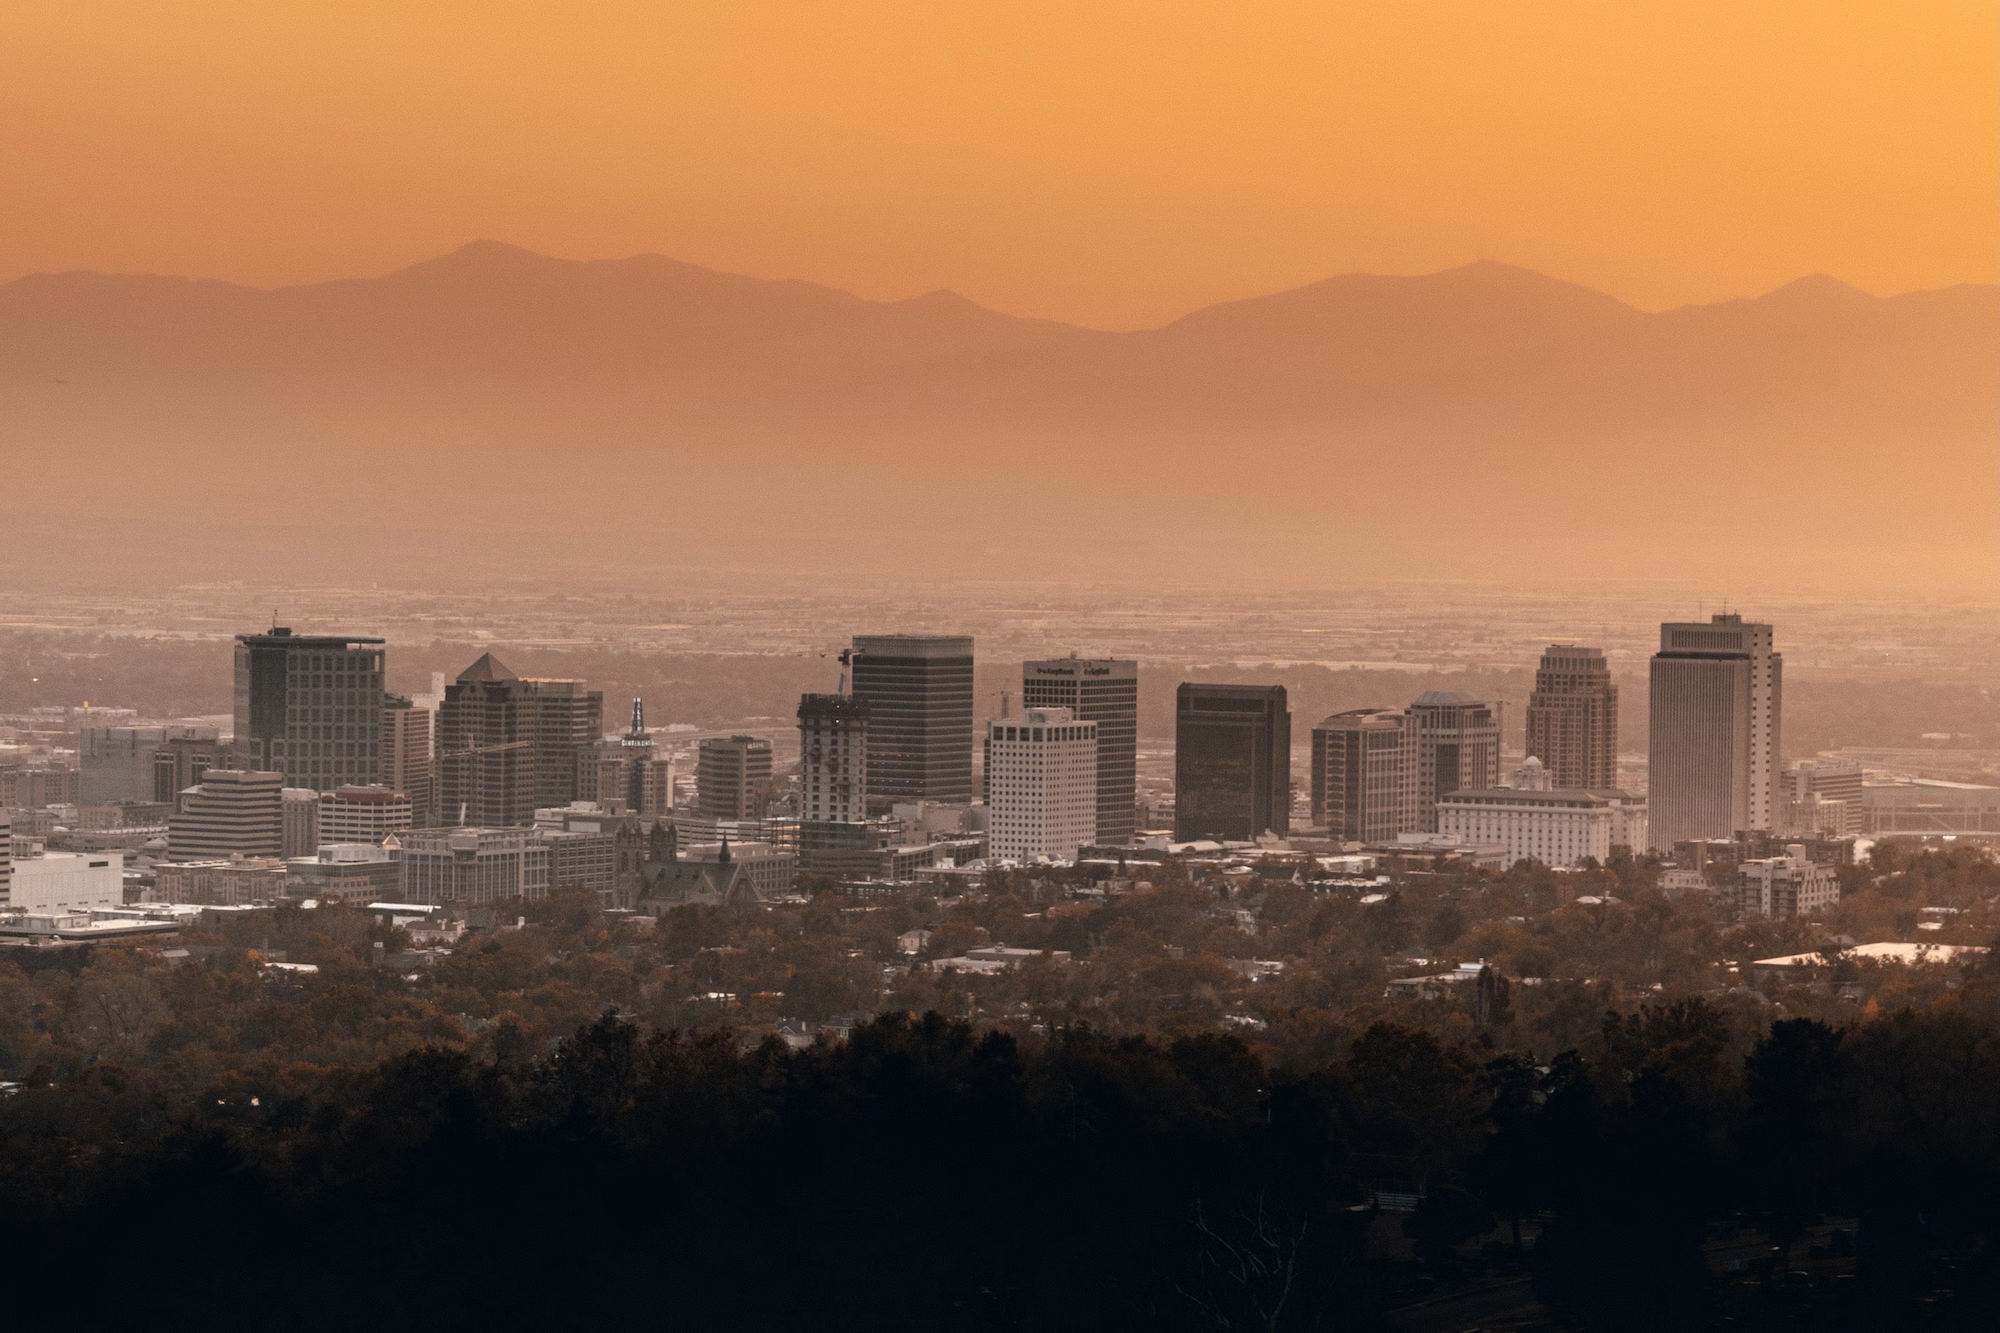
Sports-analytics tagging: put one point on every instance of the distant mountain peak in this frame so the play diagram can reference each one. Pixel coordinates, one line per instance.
(1817, 288)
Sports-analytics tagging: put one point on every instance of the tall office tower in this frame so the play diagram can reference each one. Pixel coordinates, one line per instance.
(1104, 691)
(733, 777)
(363, 814)
(117, 763)
(833, 759)
(1232, 762)
(6, 859)
(1458, 749)
(629, 769)
(232, 811)
(406, 753)
(1573, 718)
(310, 707)
(1819, 782)
(299, 818)
(1041, 784)
(1367, 774)
(918, 690)
(1716, 709)
(508, 744)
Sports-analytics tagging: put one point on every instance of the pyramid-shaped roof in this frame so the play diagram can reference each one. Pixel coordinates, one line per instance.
(488, 667)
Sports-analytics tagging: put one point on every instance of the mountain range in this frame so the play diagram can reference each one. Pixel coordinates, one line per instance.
(1485, 419)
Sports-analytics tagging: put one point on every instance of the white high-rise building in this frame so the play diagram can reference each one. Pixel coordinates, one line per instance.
(833, 759)
(1716, 705)
(1041, 784)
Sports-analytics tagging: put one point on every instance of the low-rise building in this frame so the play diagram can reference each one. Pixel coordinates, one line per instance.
(67, 881)
(472, 865)
(1787, 886)
(1557, 827)
(238, 881)
(345, 872)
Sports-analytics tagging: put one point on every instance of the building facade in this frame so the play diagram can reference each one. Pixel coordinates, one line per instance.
(918, 692)
(67, 881)
(733, 777)
(406, 753)
(472, 865)
(300, 818)
(1366, 775)
(1716, 706)
(1573, 717)
(116, 764)
(1555, 826)
(310, 707)
(235, 881)
(1232, 762)
(833, 759)
(364, 814)
(1816, 786)
(1041, 784)
(507, 744)
(232, 813)
(1458, 748)
(1103, 690)
(1787, 886)
(345, 872)
(630, 770)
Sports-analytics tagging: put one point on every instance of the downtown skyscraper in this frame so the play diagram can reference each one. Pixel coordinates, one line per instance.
(918, 693)
(1573, 718)
(309, 707)
(1104, 691)
(1232, 762)
(507, 745)
(1717, 702)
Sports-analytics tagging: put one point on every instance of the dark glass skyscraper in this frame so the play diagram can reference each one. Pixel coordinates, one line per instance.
(1104, 691)
(310, 707)
(507, 745)
(1232, 762)
(918, 692)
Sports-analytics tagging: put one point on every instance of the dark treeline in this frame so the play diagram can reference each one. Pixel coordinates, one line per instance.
(928, 1175)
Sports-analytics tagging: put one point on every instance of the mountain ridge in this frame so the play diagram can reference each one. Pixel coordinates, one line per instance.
(464, 374)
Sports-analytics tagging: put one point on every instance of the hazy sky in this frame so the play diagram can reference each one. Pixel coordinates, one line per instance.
(1110, 163)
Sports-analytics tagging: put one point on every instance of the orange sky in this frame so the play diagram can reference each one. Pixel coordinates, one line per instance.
(1110, 163)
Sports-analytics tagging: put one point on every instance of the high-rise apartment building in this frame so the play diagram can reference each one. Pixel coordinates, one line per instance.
(406, 753)
(310, 707)
(1041, 784)
(733, 777)
(1816, 785)
(1367, 774)
(508, 744)
(363, 814)
(1458, 749)
(1232, 762)
(232, 812)
(1104, 691)
(918, 691)
(833, 759)
(1716, 710)
(299, 821)
(1573, 718)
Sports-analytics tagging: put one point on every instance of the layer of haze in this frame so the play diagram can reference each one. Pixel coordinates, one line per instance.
(1112, 164)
